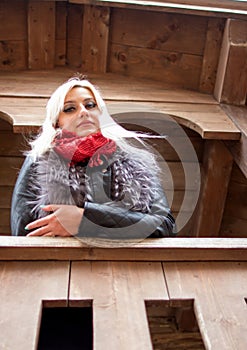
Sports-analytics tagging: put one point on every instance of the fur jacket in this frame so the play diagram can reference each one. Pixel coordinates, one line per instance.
(121, 198)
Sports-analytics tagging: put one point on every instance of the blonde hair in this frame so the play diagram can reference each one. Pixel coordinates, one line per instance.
(109, 128)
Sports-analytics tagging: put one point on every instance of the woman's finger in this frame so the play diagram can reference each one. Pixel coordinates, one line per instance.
(38, 223)
(39, 232)
(50, 207)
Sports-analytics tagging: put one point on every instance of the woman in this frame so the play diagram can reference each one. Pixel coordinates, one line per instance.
(83, 178)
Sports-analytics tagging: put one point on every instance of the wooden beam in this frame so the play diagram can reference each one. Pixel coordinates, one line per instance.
(231, 81)
(95, 38)
(211, 54)
(74, 35)
(197, 7)
(216, 172)
(238, 149)
(41, 34)
(163, 249)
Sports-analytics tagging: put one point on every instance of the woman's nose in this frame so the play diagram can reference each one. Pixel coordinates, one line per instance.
(83, 111)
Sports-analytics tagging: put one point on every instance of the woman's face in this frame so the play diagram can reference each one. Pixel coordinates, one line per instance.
(80, 112)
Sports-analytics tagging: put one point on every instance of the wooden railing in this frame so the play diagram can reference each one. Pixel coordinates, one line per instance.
(204, 277)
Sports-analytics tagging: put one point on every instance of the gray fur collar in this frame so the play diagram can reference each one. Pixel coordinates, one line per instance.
(54, 182)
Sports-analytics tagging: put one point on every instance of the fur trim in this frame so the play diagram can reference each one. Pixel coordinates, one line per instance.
(56, 182)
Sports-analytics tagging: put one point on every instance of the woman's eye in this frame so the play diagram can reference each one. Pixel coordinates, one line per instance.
(90, 105)
(68, 109)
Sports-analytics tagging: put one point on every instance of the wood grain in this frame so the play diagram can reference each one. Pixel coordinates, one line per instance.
(232, 69)
(41, 34)
(217, 166)
(163, 249)
(96, 21)
(26, 285)
(118, 291)
(219, 292)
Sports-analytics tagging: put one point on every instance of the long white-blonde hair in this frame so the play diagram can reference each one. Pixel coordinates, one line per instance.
(109, 128)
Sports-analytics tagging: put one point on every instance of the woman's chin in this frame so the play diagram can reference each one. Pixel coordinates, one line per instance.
(84, 133)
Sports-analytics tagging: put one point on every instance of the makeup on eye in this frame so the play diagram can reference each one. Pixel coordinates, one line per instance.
(72, 106)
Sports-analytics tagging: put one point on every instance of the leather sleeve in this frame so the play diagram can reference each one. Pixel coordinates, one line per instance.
(20, 211)
(113, 221)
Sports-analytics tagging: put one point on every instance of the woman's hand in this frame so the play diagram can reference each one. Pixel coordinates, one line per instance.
(64, 221)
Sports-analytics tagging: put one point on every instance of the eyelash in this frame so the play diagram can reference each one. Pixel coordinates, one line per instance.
(88, 106)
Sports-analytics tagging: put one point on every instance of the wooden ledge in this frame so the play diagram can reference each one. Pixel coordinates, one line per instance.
(166, 249)
(224, 8)
(23, 96)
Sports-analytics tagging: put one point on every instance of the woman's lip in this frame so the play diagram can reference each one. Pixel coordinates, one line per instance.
(84, 124)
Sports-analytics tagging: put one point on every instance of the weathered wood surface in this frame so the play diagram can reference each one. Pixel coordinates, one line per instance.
(95, 34)
(238, 149)
(206, 8)
(118, 291)
(164, 249)
(219, 293)
(211, 54)
(192, 109)
(216, 173)
(41, 34)
(235, 215)
(74, 27)
(24, 286)
(232, 71)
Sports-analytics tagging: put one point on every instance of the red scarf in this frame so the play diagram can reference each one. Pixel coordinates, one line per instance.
(77, 149)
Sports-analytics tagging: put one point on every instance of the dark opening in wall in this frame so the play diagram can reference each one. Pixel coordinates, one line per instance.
(66, 328)
(173, 326)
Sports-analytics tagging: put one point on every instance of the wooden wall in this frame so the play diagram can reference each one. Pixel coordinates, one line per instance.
(172, 48)
(11, 158)
(235, 216)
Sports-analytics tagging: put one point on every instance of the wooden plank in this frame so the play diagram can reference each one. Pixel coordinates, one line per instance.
(211, 54)
(5, 123)
(42, 83)
(95, 38)
(74, 35)
(176, 68)
(5, 196)
(165, 32)
(233, 227)
(41, 34)
(118, 291)
(5, 217)
(216, 172)
(234, 223)
(163, 249)
(13, 35)
(238, 11)
(8, 170)
(12, 144)
(13, 55)
(197, 111)
(238, 149)
(209, 121)
(219, 292)
(13, 20)
(26, 285)
(232, 69)
(60, 33)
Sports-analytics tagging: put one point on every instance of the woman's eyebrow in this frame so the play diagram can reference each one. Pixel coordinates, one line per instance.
(85, 100)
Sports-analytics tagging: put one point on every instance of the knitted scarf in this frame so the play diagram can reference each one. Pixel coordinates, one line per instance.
(78, 149)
